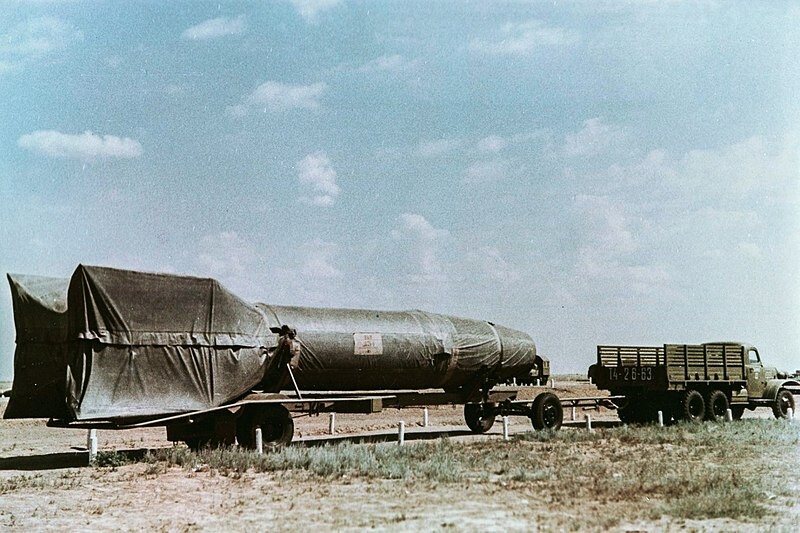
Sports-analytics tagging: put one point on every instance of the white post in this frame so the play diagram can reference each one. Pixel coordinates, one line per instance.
(425, 417)
(574, 413)
(537, 382)
(729, 415)
(259, 441)
(91, 444)
(505, 428)
(401, 433)
(514, 382)
(661, 419)
(789, 413)
(332, 424)
(589, 422)
(552, 383)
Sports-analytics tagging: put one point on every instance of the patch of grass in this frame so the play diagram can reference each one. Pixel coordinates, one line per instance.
(112, 459)
(686, 471)
(66, 480)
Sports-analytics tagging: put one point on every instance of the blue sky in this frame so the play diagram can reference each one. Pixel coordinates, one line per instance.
(587, 172)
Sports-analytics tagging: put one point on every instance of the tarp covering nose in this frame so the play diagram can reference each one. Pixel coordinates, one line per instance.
(138, 345)
(40, 359)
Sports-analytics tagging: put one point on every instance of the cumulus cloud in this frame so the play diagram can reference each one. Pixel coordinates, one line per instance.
(34, 39)
(276, 96)
(594, 138)
(607, 223)
(215, 28)
(492, 143)
(86, 146)
(317, 261)
(522, 38)
(318, 177)
(486, 171)
(489, 261)
(437, 147)
(422, 242)
(310, 9)
(38, 37)
(226, 255)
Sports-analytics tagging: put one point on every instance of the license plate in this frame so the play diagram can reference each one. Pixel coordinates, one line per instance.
(631, 373)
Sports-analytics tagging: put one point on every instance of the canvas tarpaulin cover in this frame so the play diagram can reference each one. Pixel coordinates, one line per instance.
(140, 345)
(40, 319)
(117, 344)
(359, 349)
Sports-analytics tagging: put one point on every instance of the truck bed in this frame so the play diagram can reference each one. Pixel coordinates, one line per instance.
(670, 363)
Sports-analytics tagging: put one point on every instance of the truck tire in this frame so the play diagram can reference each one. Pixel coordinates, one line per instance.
(691, 407)
(479, 416)
(716, 405)
(275, 421)
(547, 412)
(783, 402)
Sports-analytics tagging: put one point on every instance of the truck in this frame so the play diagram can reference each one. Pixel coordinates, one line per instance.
(691, 382)
(116, 349)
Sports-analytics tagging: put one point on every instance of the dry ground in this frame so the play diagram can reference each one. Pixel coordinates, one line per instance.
(162, 497)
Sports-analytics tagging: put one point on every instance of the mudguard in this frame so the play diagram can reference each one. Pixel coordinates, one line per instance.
(774, 385)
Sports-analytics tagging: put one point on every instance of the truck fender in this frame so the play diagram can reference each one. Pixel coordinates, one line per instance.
(774, 385)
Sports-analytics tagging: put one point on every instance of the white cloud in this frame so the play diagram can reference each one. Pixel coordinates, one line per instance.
(492, 143)
(318, 176)
(317, 263)
(607, 223)
(38, 37)
(86, 146)
(310, 9)
(487, 171)
(226, 255)
(217, 27)
(522, 38)
(490, 262)
(422, 245)
(277, 96)
(35, 39)
(594, 138)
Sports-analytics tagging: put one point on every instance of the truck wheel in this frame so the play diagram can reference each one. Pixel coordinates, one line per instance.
(479, 416)
(692, 407)
(275, 421)
(716, 405)
(783, 402)
(547, 412)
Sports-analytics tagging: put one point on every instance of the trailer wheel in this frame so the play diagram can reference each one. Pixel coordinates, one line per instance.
(275, 421)
(692, 407)
(783, 402)
(547, 412)
(716, 405)
(479, 416)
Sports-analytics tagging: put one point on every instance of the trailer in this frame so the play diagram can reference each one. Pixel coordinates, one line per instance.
(691, 382)
(110, 348)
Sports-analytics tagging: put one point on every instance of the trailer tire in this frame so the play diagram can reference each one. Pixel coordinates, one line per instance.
(479, 416)
(783, 402)
(716, 405)
(547, 412)
(275, 421)
(692, 407)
